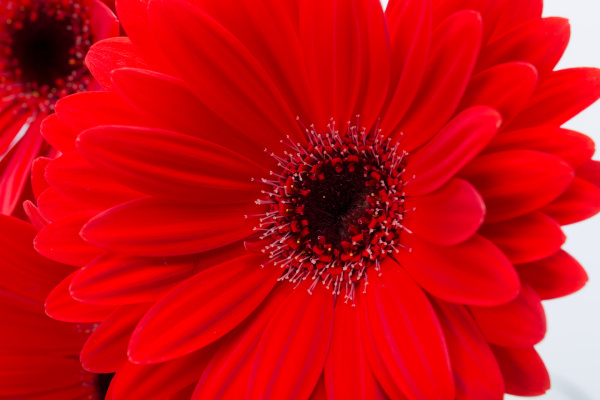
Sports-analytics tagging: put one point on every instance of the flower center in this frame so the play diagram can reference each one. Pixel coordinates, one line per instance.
(42, 48)
(335, 208)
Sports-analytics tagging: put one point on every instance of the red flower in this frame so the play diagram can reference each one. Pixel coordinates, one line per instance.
(38, 356)
(42, 50)
(421, 236)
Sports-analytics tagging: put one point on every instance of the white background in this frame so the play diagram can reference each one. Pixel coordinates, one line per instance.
(571, 349)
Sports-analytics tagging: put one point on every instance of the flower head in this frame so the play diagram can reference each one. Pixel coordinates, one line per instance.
(42, 51)
(276, 197)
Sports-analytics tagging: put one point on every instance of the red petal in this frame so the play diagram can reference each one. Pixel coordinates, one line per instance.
(561, 97)
(180, 166)
(399, 320)
(17, 168)
(520, 323)
(573, 147)
(528, 238)
(347, 371)
(61, 306)
(473, 272)
(452, 148)
(556, 276)
(490, 11)
(517, 182)
(410, 32)
(54, 206)
(160, 381)
(117, 279)
(506, 87)
(540, 42)
(34, 215)
(58, 134)
(38, 180)
(60, 241)
(590, 171)
(330, 36)
(523, 370)
(202, 309)
(146, 91)
(580, 201)
(455, 46)
(106, 349)
(476, 372)
(85, 110)
(227, 374)
(221, 71)
(292, 351)
(517, 12)
(320, 391)
(375, 56)
(75, 178)
(109, 54)
(158, 227)
(447, 216)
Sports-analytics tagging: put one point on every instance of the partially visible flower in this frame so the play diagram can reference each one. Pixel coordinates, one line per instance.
(39, 357)
(424, 182)
(43, 44)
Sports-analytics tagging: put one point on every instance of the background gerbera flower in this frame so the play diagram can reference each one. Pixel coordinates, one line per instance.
(42, 49)
(39, 357)
(436, 213)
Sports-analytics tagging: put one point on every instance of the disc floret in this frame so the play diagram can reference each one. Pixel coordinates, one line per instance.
(335, 207)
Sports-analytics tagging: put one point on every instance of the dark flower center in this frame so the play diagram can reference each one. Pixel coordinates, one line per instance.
(42, 48)
(335, 208)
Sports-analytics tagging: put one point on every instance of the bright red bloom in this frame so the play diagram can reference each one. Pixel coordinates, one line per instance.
(421, 236)
(38, 355)
(42, 51)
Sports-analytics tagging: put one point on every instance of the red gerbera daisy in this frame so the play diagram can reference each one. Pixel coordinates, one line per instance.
(42, 50)
(395, 238)
(38, 356)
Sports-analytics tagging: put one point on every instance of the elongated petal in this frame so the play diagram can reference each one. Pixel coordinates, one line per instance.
(520, 323)
(118, 279)
(58, 134)
(514, 183)
(347, 371)
(38, 180)
(447, 216)
(156, 227)
(61, 306)
(161, 381)
(523, 370)
(88, 109)
(72, 176)
(221, 71)
(476, 372)
(540, 42)
(407, 336)
(222, 297)
(455, 45)
(528, 238)
(109, 54)
(573, 147)
(561, 97)
(517, 12)
(452, 148)
(556, 276)
(170, 164)
(55, 206)
(290, 368)
(146, 91)
(60, 241)
(410, 33)
(505, 87)
(329, 32)
(227, 374)
(106, 349)
(473, 272)
(581, 201)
